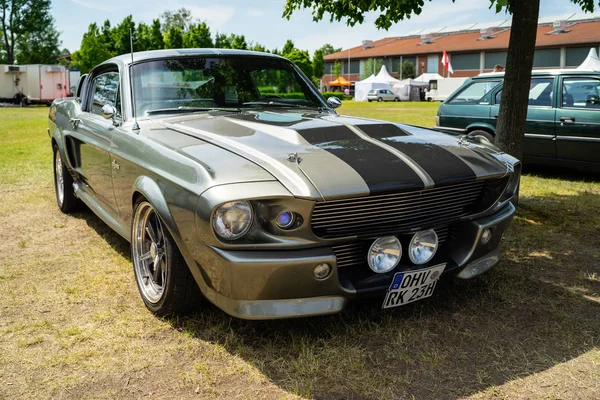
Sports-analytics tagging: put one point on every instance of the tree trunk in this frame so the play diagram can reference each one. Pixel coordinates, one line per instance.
(510, 132)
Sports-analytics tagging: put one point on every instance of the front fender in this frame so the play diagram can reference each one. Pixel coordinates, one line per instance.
(149, 189)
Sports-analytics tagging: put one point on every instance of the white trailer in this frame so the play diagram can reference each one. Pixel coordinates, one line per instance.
(33, 83)
(440, 89)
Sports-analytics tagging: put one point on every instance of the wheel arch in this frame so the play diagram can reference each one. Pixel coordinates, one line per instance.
(481, 127)
(147, 188)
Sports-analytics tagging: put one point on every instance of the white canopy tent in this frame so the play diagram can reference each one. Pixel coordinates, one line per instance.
(591, 63)
(408, 89)
(427, 76)
(384, 76)
(362, 88)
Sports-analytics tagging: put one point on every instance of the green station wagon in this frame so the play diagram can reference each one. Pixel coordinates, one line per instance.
(563, 119)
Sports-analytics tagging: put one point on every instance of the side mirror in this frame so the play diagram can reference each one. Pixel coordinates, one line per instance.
(109, 112)
(334, 102)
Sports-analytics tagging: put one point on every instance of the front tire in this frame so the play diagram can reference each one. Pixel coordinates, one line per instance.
(396, 99)
(163, 278)
(483, 134)
(380, 99)
(63, 185)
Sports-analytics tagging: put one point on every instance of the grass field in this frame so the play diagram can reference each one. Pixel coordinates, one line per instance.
(72, 324)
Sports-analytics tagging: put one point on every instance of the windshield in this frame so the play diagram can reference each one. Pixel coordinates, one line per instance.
(204, 83)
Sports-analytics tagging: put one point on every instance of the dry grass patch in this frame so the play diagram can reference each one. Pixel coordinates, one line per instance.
(72, 324)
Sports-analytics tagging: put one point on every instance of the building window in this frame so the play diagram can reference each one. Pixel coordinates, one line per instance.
(576, 55)
(491, 59)
(546, 58)
(433, 64)
(355, 67)
(463, 62)
(329, 68)
(395, 65)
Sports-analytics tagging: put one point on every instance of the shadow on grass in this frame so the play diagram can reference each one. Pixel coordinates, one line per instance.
(537, 309)
(567, 174)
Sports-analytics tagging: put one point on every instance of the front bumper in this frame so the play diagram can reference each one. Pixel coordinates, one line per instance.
(253, 284)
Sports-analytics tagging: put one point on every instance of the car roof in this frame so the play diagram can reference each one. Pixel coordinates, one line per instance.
(125, 59)
(545, 72)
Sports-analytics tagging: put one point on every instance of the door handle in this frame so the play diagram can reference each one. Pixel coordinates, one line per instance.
(567, 119)
(496, 116)
(75, 122)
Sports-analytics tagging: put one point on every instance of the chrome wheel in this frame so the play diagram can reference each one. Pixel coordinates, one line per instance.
(149, 251)
(59, 178)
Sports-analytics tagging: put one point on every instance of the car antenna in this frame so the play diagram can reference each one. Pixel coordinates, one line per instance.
(135, 128)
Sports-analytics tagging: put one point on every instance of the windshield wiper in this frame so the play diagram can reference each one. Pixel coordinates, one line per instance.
(274, 104)
(182, 109)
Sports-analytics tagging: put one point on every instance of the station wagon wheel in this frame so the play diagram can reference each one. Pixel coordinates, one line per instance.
(63, 184)
(483, 134)
(163, 278)
(379, 99)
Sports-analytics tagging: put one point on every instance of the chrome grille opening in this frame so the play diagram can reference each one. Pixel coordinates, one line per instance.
(356, 253)
(395, 213)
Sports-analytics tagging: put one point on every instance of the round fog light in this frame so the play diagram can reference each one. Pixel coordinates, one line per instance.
(423, 246)
(486, 236)
(322, 271)
(286, 219)
(384, 254)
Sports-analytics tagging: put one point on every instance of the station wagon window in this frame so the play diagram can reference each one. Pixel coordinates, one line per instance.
(106, 91)
(473, 93)
(541, 91)
(581, 92)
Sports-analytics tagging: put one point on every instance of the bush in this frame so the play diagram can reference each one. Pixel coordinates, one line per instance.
(339, 95)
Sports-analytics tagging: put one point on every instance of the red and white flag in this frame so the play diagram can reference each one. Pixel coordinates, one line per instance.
(446, 63)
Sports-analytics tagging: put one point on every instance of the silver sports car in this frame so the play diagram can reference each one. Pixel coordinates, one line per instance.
(235, 181)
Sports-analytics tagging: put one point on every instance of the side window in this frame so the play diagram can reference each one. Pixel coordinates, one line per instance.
(581, 92)
(106, 91)
(541, 91)
(474, 92)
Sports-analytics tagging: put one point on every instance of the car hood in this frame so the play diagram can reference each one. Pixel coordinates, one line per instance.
(327, 156)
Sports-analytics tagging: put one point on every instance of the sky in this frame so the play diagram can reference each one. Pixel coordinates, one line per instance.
(260, 20)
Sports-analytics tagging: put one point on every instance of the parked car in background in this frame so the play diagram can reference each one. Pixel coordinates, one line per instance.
(563, 118)
(441, 89)
(381, 95)
(271, 207)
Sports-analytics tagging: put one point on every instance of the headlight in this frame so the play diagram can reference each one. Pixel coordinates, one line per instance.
(232, 220)
(423, 246)
(384, 254)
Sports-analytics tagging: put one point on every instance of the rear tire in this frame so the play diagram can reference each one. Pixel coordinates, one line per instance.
(63, 185)
(483, 134)
(379, 99)
(396, 99)
(163, 278)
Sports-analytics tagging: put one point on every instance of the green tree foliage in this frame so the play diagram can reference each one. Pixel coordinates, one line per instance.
(174, 38)
(337, 69)
(107, 36)
(288, 47)
(257, 47)
(39, 47)
(302, 59)
(318, 64)
(20, 18)
(143, 38)
(157, 41)
(238, 42)
(93, 50)
(121, 36)
(222, 41)
(372, 66)
(198, 35)
(408, 70)
(329, 49)
(181, 19)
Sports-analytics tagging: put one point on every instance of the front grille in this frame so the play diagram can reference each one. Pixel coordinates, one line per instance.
(356, 253)
(373, 216)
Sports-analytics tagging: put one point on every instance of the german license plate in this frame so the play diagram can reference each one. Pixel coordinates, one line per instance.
(412, 286)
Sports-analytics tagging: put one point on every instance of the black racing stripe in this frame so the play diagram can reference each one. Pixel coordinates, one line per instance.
(443, 166)
(377, 131)
(380, 169)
